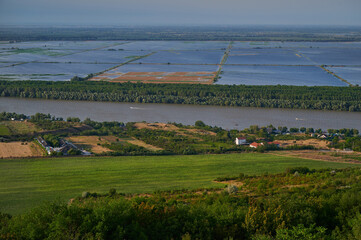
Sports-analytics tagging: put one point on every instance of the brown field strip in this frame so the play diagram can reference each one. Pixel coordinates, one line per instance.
(20, 149)
(159, 77)
(317, 143)
(329, 156)
(92, 142)
(144, 74)
(143, 144)
(171, 127)
(95, 143)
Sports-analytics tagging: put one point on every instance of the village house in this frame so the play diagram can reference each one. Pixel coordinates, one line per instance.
(274, 143)
(322, 136)
(255, 145)
(241, 141)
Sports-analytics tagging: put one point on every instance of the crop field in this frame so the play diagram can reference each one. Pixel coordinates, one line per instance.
(18, 127)
(159, 77)
(250, 63)
(26, 183)
(4, 130)
(20, 149)
(94, 143)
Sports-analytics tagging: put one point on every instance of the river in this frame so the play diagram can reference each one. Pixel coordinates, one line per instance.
(225, 117)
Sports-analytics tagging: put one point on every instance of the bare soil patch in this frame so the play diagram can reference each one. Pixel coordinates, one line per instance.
(156, 126)
(232, 182)
(317, 143)
(201, 131)
(171, 127)
(296, 186)
(20, 149)
(143, 144)
(144, 74)
(159, 77)
(95, 143)
(328, 156)
(92, 142)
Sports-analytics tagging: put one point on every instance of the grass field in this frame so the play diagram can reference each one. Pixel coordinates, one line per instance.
(20, 127)
(25, 183)
(4, 130)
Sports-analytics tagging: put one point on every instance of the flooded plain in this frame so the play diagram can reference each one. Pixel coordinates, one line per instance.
(225, 117)
(249, 63)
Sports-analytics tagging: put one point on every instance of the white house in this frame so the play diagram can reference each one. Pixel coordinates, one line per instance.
(241, 141)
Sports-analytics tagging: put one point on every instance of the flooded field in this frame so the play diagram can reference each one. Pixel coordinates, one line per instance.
(250, 63)
(184, 57)
(352, 74)
(275, 56)
(273, 75)
(225, 117)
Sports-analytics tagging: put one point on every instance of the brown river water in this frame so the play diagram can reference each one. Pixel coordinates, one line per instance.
(225, 117)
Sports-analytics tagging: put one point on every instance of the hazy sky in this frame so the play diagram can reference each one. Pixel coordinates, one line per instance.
(180, 12)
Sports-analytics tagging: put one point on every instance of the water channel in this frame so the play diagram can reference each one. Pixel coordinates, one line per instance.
(225, 117)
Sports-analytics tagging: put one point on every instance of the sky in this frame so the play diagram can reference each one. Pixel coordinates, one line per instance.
(180, 12)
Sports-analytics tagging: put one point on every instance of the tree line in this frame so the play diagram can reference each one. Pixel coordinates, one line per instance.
(181, 33)
(279, 96)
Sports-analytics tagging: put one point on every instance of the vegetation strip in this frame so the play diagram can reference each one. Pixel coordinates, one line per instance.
(223, 61)
(297, 97)
(121, 64)
(335, 75)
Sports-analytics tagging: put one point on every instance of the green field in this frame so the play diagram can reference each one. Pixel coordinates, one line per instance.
(19, 127)
(25, 183)
(4, 130)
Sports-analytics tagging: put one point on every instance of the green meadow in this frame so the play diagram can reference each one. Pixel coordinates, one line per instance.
(25, 183)
(4, 130)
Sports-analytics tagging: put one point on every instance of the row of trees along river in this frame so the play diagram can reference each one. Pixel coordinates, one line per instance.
(297, 97)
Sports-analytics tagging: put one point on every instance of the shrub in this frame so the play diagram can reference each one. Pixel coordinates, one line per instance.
(85, 194)
(231, 189)
(112, 191)
(300, 170)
